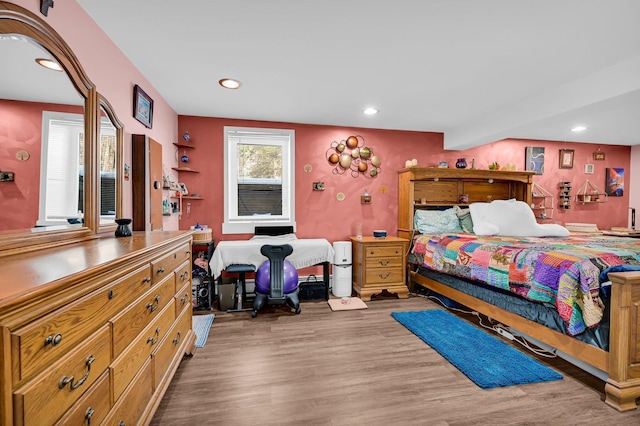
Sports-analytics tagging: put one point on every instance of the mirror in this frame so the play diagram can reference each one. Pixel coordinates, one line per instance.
(25, 36)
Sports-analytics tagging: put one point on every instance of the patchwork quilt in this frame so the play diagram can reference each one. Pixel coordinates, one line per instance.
(561, 272)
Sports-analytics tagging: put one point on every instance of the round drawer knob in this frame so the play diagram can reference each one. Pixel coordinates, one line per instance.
(53, 340)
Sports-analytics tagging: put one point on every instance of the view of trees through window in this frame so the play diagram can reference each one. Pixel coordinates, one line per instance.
(259, 179)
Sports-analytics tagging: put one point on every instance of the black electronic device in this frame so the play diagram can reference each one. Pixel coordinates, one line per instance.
(201, 292)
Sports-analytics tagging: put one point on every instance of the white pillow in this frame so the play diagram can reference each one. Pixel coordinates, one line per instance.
(436, 221)
(511, 218)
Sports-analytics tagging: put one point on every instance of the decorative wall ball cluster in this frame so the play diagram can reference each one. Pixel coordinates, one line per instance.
(353, 156)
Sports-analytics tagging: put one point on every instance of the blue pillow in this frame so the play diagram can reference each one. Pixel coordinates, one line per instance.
(436, 221)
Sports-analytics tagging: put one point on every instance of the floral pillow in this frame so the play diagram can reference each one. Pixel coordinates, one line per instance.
(436, 221)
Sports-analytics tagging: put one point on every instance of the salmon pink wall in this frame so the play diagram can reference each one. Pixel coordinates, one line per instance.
(21, 129)
(320, 214)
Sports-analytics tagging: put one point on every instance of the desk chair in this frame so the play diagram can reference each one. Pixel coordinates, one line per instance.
(277, 296)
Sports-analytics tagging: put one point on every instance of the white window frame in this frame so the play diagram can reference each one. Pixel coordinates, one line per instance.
(233, 136)
(66, 161)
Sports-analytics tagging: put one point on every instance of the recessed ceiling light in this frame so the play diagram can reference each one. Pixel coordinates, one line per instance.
(579, 129)
(229, 83)
(370, 111)
(49, 63)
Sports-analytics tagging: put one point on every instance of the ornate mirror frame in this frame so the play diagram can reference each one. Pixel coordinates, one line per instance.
(17, 20)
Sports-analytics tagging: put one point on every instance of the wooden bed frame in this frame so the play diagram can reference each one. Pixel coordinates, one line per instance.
(443, 187)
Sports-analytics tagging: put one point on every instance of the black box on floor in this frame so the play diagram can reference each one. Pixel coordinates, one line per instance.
(312, 289)
(201, 296)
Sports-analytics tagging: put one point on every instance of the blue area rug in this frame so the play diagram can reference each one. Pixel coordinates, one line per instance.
(484, 359)
(201, 326)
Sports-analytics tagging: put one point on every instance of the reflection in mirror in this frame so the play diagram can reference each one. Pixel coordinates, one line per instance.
(33, 140)
(110, 143)
(25, 92)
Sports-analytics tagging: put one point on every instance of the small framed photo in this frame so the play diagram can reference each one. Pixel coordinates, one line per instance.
(183, 188)
(566, 158)
(142, 107)
(599, 156)
(588, 169)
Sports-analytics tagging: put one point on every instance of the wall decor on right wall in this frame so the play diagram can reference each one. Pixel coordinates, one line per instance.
(614, 184)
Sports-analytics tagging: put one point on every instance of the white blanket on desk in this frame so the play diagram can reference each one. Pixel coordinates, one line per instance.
(306, 252)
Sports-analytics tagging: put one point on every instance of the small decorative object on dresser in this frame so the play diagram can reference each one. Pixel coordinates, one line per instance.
(123, 229)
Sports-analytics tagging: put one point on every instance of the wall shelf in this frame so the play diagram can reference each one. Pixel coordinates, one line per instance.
(565, 195)
(590, 194)
(184, 169)
(542, 202)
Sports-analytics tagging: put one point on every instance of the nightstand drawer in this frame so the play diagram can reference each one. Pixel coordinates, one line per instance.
(385, 262)
(391, 250)
(388, 275)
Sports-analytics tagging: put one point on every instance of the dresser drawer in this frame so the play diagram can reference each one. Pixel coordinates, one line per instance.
(135, 399)
(47, 396)
(166, 352)
(183, 298)
(92, 407)
(167, 264)
(383, 276)
(130, 322)
(135, 355)
(37, 345)
(390, 250)
(183, 275)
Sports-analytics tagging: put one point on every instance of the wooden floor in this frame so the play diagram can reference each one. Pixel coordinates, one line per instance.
(357, 368)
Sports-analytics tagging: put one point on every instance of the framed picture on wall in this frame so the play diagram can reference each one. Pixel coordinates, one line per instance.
(534, 159)
(614, 184)
(566, 158)
(588, 169)
(142, 107)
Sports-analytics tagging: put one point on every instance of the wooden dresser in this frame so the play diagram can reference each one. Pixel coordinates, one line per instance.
(93, 331)
(379, 264)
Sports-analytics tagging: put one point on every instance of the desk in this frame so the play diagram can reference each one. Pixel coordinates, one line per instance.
(306, 252)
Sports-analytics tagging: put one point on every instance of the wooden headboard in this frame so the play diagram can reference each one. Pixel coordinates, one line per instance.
(444, 188)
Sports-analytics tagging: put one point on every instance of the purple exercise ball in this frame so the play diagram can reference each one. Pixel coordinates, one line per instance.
(263, 278)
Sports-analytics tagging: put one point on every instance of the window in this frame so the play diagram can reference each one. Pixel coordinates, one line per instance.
(61, 176)
(259, 179)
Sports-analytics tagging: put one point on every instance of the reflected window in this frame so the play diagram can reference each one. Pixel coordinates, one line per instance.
(62, 169)
(108, 146)
(259, 187)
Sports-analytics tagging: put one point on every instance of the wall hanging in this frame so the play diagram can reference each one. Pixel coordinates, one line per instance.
(614, 185)
(351, 155)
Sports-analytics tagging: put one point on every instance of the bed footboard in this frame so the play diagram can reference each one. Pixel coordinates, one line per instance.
(622, 363)
(623, 386)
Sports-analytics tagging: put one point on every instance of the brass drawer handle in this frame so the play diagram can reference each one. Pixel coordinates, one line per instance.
(384, 262)
(161, 270)
(69, 380)
(184, 299)
(184, 275)
(153, 306)
(384, 276)
(177, 339)
(154, 340)
(88, 415)
(53, 340)
(146, 280)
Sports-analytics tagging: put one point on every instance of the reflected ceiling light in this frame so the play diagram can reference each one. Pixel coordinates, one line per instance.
(49, 64)
(370, 111)
(229, 83)
(579, 129)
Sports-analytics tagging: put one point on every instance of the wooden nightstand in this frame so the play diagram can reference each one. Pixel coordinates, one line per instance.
(380, 264)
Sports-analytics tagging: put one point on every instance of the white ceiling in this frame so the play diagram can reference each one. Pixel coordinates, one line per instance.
(476, 70)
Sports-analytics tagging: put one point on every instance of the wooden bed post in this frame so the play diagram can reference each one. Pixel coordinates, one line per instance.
(623, 386)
